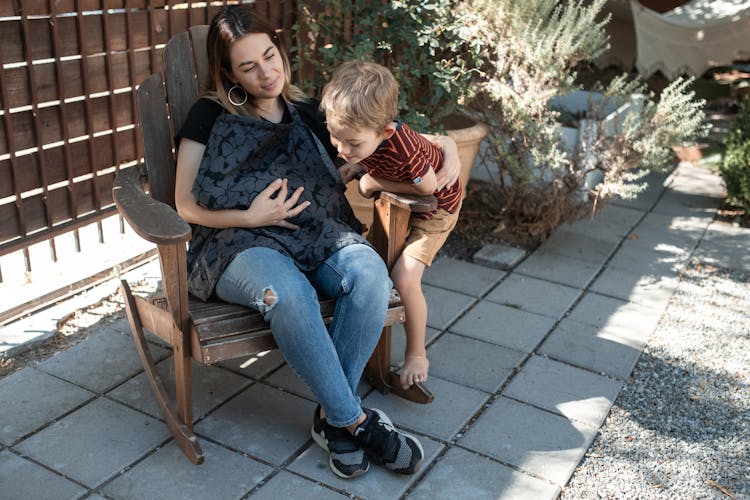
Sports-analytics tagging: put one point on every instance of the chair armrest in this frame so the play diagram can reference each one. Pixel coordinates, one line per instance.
(412, 202)
(152, 220)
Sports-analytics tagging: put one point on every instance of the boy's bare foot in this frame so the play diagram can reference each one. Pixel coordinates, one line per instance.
(414, 370)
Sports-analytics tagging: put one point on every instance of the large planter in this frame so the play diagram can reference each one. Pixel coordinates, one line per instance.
(468, 134)
(577, 140)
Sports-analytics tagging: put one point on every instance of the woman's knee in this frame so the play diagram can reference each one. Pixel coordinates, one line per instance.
(370, 273)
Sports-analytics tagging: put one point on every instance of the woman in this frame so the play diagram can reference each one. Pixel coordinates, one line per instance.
(272, 228)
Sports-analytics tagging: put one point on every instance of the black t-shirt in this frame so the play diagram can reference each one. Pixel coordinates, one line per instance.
(202, 115)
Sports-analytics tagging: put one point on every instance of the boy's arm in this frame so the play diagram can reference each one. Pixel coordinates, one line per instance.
(369, 185)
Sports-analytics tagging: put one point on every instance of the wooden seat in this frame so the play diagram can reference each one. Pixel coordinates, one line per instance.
(209, 332)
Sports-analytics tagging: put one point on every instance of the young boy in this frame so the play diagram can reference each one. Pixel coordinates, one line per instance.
(361, 103)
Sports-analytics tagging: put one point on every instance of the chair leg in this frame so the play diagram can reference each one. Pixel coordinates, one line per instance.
(181, 430)
(388, 234)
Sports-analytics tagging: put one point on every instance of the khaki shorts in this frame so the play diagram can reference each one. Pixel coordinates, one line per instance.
(427, 236)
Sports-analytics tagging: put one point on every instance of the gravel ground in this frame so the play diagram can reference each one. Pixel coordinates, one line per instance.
(681, 426)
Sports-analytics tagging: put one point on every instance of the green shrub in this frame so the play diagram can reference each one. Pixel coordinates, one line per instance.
(421, 42)
(735, 169)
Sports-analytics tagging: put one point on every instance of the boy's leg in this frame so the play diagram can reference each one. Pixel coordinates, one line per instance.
(425, 239)
(407, 278)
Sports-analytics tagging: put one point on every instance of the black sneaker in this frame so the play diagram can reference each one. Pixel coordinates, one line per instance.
(399, 452)
(345, 457)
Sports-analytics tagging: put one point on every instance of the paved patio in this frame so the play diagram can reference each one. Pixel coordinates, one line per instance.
(525, 365)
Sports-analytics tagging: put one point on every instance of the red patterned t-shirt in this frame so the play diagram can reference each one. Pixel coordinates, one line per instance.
(407, 156)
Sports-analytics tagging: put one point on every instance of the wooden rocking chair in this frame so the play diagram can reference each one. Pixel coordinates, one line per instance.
(212, 331)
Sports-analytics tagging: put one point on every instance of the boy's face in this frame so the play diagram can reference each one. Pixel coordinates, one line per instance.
(354, 145)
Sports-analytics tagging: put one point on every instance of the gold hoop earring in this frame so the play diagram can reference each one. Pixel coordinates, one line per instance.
(244, 94)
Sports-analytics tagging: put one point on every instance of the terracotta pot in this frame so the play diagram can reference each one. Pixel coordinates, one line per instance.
(692, 153)
(468, 134)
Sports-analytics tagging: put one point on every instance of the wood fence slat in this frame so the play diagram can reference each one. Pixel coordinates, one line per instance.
(68, 79)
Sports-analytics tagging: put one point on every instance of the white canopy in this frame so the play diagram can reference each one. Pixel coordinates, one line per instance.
(691, 38)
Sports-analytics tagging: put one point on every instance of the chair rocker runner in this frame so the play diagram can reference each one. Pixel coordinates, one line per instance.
(209, 332)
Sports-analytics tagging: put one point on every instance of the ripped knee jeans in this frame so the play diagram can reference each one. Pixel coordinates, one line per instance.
(329, 359)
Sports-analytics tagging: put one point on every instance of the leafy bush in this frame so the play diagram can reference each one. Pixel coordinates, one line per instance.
(422, 42)
(735, 168)
(529, 52)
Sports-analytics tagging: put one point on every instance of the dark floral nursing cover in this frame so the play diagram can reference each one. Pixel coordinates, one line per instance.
(243, 156)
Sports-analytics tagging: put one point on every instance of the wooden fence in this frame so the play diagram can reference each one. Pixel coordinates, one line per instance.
(68, 72)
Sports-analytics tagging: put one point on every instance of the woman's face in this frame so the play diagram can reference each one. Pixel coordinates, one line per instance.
(257, 66)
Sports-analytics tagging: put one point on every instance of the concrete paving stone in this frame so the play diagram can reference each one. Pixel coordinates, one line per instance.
(655, 184)
(264, 422)
(662, 260)
(695, 180)
(286, 379)
(444, 306)
(288, 485)
(102, 361)
(378, 483)
(22, 479)
(255, 366)
(398, 342)
(211, 387)
(454, 405)
(613, 351)
(648, 290)
(664, 229)
(534, 295)
(559, 269)
(462, 474)
(505, 326)
(472, 362)
(499, 256)
(26, 334)
(461, 276)
(686, 204)
(601, 311)
(578, 246)
(612, 223)
(567, 390)
(725, 245)
(95, 442)
(167, 473)
(31, 398)
(531, 439)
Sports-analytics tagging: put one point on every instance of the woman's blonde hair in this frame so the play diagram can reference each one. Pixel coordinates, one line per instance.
(361, 95)
(228, 26)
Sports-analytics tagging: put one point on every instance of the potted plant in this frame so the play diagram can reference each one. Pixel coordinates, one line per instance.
(529, 53)
(424, 44)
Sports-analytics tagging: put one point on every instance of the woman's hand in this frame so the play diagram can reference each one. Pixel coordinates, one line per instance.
(449, 174)
(272, 207)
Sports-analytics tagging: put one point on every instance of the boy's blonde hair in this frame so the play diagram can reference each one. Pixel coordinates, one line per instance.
(360, 95)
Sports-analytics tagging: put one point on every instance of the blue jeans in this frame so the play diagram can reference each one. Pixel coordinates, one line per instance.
(330, 360)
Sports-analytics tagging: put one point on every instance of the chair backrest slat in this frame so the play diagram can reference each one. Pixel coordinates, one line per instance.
(157, 139)
(199, 35)
(180, 78)
(163, 103)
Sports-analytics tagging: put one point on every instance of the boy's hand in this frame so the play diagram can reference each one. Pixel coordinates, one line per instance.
(349, 171)
(368, 186)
